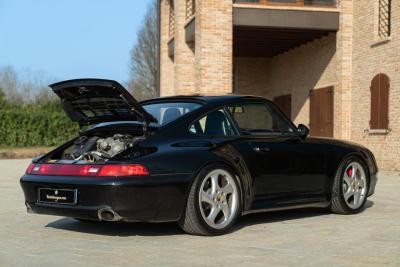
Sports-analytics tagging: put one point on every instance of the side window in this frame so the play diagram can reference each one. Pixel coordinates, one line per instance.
(253, 118)
(215, 123)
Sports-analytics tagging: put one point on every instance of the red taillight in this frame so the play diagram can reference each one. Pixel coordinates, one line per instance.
(123, 170)
(88, 170)
(29, 169)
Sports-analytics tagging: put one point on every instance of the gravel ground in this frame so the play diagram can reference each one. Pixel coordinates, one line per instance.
(311, 237)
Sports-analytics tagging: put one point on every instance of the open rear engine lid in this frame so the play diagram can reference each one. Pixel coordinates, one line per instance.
(92, 101)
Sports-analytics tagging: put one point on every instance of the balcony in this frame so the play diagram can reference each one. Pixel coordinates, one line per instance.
(270, 27)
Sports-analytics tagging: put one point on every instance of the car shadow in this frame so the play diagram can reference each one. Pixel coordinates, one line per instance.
(286, 215)
(122, 229)
(125, 229)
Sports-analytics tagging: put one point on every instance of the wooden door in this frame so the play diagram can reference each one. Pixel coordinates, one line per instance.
(284, 102)
(321, 112)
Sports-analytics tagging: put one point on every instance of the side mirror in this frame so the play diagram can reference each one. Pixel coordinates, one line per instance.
(303, 131)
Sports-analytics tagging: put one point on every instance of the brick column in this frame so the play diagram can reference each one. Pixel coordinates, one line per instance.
(213, 46)
(342, 99)
(167, 84)
(184, 53)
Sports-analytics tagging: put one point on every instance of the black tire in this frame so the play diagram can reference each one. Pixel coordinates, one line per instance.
(338, 202)
(192, 221)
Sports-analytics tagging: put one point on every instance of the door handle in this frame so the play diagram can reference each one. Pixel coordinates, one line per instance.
(261, 149)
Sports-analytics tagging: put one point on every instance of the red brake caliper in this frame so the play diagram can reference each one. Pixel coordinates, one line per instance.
(349, 172)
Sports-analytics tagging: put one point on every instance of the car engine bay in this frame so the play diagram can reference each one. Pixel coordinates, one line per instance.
(95, 149)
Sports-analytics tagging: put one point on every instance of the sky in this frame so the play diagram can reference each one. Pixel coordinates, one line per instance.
(68, 39)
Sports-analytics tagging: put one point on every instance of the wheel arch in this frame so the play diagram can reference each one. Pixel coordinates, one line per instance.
(332, 172)
(245, 194)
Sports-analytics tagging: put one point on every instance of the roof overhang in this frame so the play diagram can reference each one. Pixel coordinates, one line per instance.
(267, 32)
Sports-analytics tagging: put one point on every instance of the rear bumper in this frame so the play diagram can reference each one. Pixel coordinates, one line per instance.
(156, 198)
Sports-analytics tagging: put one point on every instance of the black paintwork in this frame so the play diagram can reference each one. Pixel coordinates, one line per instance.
(292, 171)
(84, 101)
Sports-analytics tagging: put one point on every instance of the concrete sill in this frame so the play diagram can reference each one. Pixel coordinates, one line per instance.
(382, 41)
(378, 131)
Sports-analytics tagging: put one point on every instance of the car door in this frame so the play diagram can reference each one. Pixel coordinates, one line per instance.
(285, 168)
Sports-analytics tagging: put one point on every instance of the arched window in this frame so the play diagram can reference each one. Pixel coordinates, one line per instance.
(380, 102)
(171, 19)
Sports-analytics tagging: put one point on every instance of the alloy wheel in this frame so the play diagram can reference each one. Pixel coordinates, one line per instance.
(354, 185)
(218, 199)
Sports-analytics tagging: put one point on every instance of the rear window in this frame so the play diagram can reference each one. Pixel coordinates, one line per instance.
(168, 112)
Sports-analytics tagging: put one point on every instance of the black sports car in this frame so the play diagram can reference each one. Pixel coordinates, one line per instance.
(199, 160)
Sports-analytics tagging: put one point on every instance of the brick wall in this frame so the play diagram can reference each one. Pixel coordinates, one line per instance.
(348, 60)
(214, 46)
(295, 72)
(371, 57)
(204, 66)
(184, 53)
(344, 49)
(167, 83)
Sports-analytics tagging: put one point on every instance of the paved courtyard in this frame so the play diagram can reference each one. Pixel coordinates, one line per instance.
(291, 238)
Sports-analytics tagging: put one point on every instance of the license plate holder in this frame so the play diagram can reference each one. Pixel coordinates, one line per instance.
(57, 196)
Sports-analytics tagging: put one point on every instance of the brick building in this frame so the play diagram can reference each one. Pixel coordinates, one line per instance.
(332, 65)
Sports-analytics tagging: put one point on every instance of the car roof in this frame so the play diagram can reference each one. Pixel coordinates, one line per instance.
(217, 99)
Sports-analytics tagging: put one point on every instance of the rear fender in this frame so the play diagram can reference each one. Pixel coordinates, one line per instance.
(228, 155)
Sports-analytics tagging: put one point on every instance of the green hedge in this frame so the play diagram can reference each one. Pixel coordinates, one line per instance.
(27, 128)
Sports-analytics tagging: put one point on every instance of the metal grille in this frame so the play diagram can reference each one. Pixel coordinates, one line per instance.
(190, 8)
(385, 10)
(171, 18)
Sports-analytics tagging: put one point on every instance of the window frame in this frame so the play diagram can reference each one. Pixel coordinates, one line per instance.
(274, 109)
(227, 115)
(151, 102)
(384, 20)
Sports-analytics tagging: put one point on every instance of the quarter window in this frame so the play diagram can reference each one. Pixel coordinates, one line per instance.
(168, 112)
(259, 118)
(215, 123)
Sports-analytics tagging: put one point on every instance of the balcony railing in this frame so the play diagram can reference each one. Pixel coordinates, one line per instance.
(301, 3)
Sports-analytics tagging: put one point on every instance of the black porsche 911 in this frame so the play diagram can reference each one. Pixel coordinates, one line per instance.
(199, 160)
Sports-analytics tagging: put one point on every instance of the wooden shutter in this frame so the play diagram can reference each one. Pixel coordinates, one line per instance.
(284, 103)
(321, 112)
(380, 102)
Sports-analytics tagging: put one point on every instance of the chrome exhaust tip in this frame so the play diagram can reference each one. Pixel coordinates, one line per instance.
(108, 215)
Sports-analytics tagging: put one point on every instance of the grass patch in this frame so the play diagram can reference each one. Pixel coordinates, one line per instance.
(23, 152)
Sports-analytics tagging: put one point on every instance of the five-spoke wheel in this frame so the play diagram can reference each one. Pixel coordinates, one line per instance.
(354, 185)
(214, 201)
(218, 198)
(350, 188)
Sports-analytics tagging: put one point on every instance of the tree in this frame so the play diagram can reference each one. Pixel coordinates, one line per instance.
(2, 98)
(9, 84)
(143, 63)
